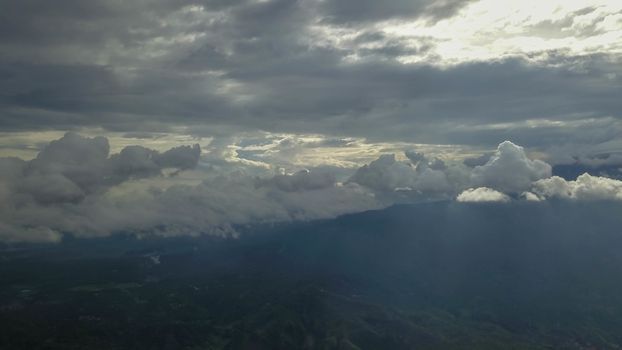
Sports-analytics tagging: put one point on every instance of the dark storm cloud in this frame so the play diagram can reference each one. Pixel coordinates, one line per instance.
(221, 65)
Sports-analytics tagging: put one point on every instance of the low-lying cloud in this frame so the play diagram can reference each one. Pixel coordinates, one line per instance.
(507, 173)
(72, 167)
(75, 186)
(482, 194)
(509, 170)
(585, 187)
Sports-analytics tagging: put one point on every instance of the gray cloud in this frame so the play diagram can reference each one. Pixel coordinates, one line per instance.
(508, 170)
(385, 174)
(476, 161)
(418, 178)
(74, 187)
(228, 68)
(242, 65)
(351, 11)
(72, 167)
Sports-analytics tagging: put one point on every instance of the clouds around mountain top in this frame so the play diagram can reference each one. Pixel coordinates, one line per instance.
(505, 174)
(508, 170)
(74, 186)
(72, 167)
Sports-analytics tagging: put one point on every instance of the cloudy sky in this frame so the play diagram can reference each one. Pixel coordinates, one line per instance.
(196, 116)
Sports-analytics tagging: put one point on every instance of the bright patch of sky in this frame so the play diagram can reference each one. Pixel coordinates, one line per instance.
(492, 29)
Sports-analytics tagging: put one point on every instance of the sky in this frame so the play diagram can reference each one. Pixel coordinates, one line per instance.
(190, 117)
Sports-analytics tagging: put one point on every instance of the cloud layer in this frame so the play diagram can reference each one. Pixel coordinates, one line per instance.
(288, 99)
(388, 72)
(74, 186)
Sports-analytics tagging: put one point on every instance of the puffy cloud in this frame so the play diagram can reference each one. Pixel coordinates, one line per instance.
(585, 187)
(73, 166)
(74, 187)
(530, 197)
(52, 192)
(140, 162)
(79, 159)
(72, 149)
(509, 170)
(482, 194)
(421, 162)
(422, 177)
(437, 164)
(430, 180)
(385, 174)
(181, 157)
(134, 161)
(415, 157)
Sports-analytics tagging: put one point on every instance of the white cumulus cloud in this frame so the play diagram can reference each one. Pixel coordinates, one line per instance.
(509, 170)
(482, 194)
(585, 187)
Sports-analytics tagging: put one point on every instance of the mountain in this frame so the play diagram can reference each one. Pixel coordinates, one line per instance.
(439, 275)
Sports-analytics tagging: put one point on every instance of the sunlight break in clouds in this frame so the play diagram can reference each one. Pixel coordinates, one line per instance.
(490, 29)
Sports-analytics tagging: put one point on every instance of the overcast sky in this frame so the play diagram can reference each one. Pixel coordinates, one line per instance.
(422, 71)
(272, 87)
